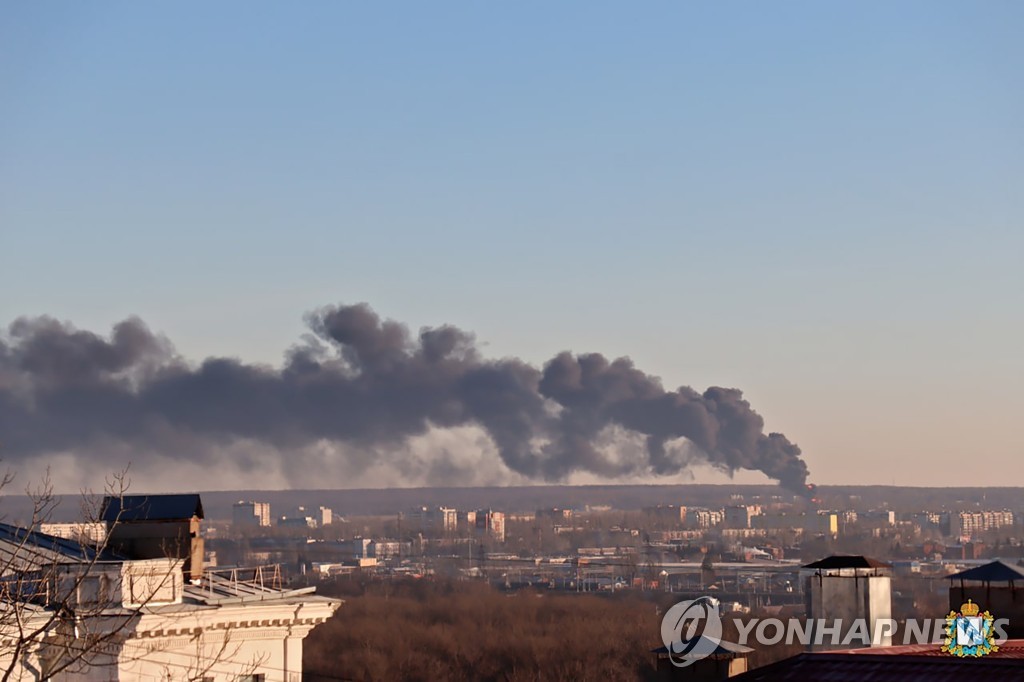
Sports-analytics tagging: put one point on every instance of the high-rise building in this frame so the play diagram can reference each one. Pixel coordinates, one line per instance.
(300, 518)
(666, 513)
(966, 525)
(466, 520)
(255, 514)
(876, 518)
(492, 523)
(741, 515)
(704, 518)
(824, 522)
(431, 519)
(556, 514)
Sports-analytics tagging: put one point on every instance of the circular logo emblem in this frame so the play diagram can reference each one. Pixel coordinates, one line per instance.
(691, 630)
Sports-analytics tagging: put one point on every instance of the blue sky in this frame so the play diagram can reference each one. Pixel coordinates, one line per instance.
(818, 204)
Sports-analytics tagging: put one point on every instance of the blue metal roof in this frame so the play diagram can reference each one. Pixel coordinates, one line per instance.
(69, 548)
(131, 508)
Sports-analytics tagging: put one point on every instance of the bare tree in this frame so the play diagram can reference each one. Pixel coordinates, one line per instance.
(67, 605)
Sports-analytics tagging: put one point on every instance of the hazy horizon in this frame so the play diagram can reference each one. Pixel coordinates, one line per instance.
(816, 205)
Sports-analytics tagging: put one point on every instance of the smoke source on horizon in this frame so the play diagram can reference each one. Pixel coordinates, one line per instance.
(369, 385)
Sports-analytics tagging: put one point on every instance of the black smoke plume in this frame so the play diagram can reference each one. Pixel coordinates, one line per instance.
(368, 383)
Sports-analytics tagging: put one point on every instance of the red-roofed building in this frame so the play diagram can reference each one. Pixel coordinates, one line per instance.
(895, 664)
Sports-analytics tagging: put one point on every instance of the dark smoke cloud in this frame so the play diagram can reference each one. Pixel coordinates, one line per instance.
(362, 381)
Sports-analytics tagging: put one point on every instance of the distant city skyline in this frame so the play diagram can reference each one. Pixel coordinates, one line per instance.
(817, 205)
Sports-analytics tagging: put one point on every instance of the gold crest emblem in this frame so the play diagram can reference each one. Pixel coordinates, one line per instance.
(969, 632)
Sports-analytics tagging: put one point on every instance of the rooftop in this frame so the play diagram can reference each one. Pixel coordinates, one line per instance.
(995, 572)
(131, 508)
(723, 649)
(895, 664)
(848, 561)
(22, 544)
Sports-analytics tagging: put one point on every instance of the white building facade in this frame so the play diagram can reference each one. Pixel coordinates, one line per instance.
(71, 612)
